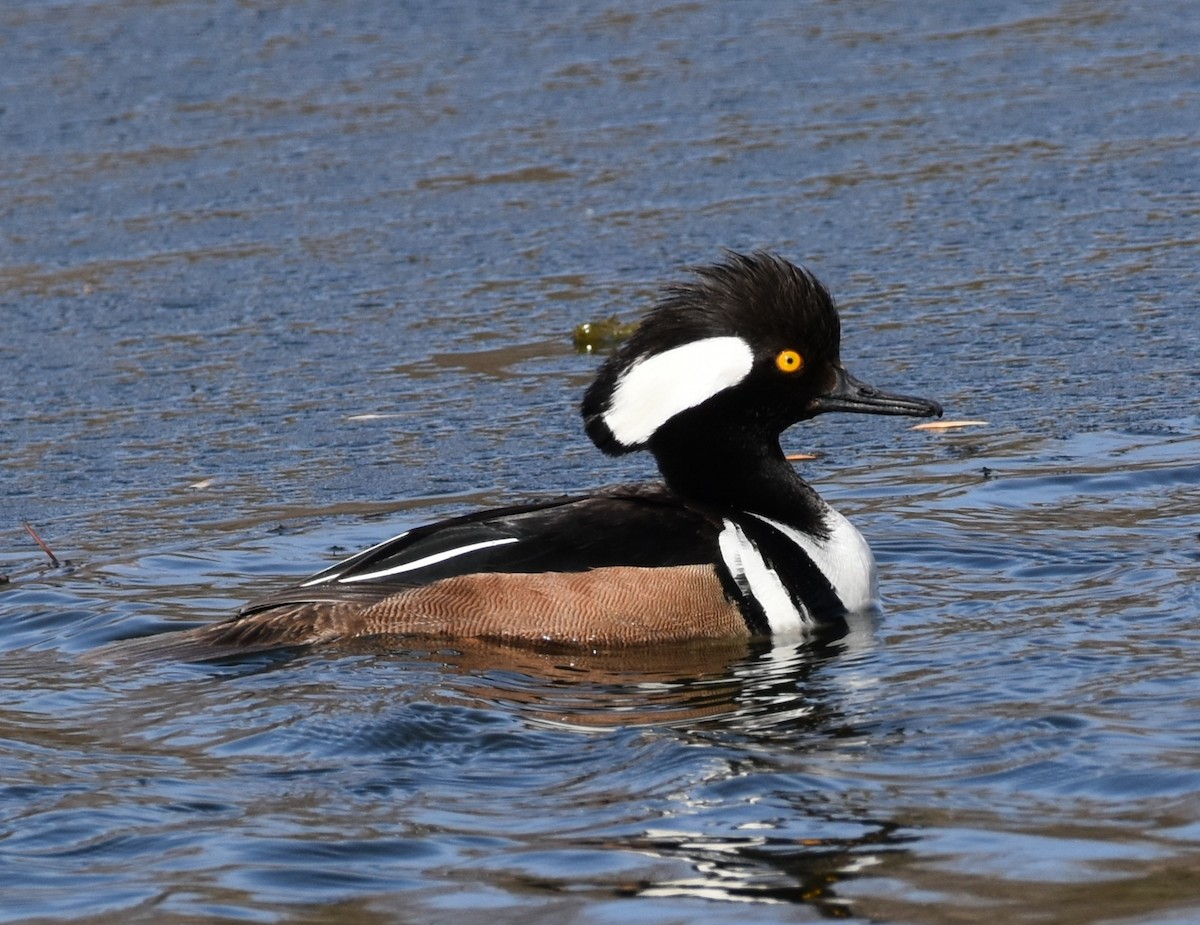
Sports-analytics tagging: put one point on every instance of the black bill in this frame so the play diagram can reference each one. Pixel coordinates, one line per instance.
(849, 394)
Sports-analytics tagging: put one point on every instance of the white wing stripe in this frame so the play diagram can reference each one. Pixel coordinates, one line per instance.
(429, 560)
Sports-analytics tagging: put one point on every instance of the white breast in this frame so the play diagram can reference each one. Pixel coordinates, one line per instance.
(785, 615)
(845, 559)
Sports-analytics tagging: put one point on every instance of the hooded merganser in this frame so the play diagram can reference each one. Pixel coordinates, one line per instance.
(734, 544)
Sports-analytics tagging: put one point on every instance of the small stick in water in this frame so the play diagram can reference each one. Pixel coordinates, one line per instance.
(54, 563)
(947, 425)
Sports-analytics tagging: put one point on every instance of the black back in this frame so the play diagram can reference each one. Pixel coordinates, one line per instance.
(636, 525)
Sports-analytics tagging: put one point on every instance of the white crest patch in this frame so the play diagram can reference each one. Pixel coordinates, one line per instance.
(655, 389)
(845, 559)
(784, 615)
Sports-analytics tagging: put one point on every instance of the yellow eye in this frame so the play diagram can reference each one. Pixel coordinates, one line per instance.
(789, 361)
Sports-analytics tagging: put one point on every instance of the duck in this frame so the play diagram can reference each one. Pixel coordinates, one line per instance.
(732, 543)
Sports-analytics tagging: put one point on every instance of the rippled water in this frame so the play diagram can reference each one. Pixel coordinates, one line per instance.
(280, 280)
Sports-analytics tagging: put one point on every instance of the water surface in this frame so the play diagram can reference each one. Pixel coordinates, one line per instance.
(280, 280)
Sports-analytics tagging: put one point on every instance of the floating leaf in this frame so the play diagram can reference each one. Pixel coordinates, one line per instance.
(601, 335)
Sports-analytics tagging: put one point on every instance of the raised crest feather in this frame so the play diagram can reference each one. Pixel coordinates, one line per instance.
(751, 299)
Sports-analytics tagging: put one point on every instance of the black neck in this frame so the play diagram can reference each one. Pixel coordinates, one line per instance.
(733, 469)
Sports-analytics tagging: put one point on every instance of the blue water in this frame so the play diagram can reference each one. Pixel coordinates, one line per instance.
(278, 281)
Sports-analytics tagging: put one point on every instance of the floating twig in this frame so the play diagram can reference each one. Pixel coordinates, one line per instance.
(54, 563)
(947, 425)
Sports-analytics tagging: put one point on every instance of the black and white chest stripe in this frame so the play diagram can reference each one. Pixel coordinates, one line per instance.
(788, 582)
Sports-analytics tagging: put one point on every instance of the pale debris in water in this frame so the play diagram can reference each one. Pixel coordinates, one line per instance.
(947, 425)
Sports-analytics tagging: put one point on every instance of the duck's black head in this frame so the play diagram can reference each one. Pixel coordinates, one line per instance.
(747, 348)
